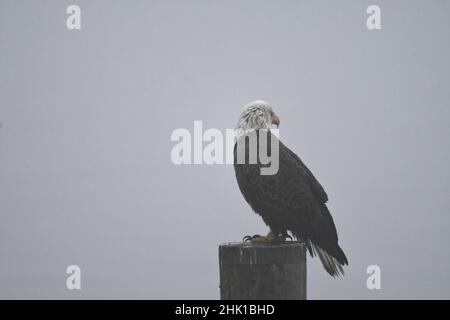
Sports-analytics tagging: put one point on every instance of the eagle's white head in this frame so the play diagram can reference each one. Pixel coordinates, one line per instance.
(257, 115)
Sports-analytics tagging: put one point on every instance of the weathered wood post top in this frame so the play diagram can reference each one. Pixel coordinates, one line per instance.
(262, 271)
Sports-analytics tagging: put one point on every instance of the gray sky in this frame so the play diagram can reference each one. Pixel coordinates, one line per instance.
(85, 171)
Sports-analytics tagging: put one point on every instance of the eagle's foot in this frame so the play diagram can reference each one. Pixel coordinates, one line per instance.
(269, 238)
(257, 238)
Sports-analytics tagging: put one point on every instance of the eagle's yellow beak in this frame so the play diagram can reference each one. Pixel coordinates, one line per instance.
(276, 120)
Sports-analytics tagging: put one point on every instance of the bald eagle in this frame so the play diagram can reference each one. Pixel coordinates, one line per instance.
(289, 201)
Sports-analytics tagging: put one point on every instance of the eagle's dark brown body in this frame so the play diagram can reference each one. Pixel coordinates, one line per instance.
(292, 200)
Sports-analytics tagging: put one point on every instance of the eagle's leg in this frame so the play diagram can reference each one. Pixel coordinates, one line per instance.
(271, 237)
(259, 238)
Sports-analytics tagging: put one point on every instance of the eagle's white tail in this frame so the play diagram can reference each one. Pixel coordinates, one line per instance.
(331, 265)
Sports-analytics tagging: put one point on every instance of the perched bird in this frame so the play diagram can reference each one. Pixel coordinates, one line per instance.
(289, 201)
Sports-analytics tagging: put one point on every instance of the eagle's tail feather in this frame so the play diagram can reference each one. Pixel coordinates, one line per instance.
(330, 263)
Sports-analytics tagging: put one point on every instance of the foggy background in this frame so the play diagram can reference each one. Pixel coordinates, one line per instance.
(86, 116)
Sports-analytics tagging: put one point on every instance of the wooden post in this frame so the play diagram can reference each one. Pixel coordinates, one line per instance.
(262, 272)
